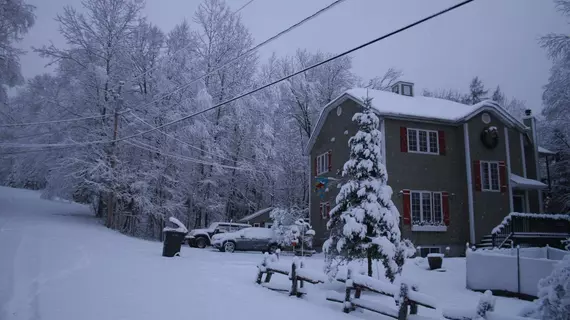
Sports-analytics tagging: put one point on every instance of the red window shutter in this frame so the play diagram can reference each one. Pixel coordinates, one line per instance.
(316, 166)
(445, 207)
(503, 175)
(441, 137)
(330, 160)
(477, 174)
(406, 205)
(403, 139)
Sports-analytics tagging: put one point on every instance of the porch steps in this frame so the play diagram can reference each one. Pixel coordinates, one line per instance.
(487, 242)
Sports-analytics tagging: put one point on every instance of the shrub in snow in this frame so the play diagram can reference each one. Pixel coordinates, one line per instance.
(566, 244)
(365, 222)
(486, 303)
(287, 226)
(554, 293)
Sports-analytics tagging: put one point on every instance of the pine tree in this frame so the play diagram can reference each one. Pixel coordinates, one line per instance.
(554, 293)
(498, 96)
(364, 223)
(477, 91)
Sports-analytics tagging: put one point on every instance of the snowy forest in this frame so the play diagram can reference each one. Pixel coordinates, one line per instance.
(122, 75)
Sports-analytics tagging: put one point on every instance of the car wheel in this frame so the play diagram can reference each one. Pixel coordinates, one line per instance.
(229, 247)
(201, 243)
(189, 243)
(273, 248)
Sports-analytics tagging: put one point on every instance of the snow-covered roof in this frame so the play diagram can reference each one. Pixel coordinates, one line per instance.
(422, 108)
(525, 183)
(255, 214)
(542, 150)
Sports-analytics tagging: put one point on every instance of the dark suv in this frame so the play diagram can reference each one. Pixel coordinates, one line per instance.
(200, 238)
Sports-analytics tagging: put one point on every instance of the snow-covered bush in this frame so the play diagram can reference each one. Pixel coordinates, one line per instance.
(554, 293)
(486, 303)
(365, 222)
(566, 244)
(289, 225)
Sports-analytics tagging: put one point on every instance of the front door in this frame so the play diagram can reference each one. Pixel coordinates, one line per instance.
(518, 203)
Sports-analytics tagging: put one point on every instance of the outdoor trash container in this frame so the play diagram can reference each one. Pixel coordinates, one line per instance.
(172, 243)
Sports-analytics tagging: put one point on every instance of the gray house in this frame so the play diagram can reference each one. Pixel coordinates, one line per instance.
(259, 218)
(456, 170)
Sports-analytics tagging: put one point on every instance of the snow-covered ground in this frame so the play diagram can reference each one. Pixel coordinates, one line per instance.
(57, 262)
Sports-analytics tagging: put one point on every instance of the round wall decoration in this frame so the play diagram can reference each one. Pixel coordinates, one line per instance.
(490, 137)
(338, 111)
(486, 118)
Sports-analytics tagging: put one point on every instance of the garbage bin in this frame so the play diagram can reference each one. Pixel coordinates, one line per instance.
(172, 242)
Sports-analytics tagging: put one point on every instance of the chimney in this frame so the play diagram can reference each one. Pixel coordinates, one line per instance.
(528, 112)
(403, 88)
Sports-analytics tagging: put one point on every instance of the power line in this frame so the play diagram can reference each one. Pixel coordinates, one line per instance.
(55, 121)
(178, 140)
(303, 70)
(147, 147)
(274, 82)
(248, 52)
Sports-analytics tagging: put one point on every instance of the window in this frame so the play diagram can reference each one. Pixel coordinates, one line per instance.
(426, 208)
(407, 90)
(396, 88)
(424, 251)
(268, 225)
(256, 225)
(423, 141)
(325, 208)
(323, 163)
(490, 176)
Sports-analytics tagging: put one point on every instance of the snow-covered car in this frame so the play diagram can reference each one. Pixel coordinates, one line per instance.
(248, 239)
(201, 238)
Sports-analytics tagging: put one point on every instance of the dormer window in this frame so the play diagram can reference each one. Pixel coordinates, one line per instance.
(403, 88)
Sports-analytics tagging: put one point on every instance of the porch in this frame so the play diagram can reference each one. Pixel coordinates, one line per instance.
(531, 229)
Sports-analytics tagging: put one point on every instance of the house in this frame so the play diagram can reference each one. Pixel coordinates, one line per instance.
(259, 218)
(456, 170)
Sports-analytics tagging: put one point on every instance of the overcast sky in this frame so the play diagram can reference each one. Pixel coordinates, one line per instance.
(494, 39)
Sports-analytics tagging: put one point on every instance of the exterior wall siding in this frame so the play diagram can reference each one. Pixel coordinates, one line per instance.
(415, 171)
(489, 207)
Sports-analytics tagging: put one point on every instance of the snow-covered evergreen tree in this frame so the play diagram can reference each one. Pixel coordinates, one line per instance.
(365, 222)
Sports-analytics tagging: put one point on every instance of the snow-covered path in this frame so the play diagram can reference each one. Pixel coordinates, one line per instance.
(58, 263)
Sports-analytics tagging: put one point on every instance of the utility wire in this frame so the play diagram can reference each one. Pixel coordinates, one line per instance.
(57, 121)
(178, 140)
(147, 147)
(274, 82)
(248, 52)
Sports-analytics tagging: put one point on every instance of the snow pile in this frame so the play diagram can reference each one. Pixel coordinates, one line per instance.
(546, 216)
(179, 226)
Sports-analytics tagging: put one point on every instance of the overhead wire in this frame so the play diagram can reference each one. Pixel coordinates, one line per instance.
(10, 125)
(392, 33)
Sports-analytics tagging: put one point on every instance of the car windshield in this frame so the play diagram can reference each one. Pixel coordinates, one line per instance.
(213, 225)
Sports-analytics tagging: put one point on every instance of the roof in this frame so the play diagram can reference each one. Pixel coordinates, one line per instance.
(542, 150)
(421, 108)
(526, 183)
(255, 214)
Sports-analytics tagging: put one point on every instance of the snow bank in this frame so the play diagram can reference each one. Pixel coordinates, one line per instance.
(497, 270)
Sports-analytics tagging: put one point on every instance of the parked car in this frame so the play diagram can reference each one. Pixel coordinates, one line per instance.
(248, 239)
(201, 238)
